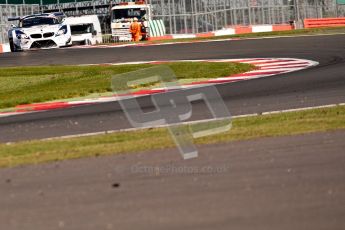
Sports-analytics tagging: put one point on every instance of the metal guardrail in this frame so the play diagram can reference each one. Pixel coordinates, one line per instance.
(323, 22)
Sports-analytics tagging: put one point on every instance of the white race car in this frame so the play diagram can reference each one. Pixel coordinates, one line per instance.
(39, 31)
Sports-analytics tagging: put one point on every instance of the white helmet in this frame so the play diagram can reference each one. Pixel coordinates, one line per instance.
(135, 19)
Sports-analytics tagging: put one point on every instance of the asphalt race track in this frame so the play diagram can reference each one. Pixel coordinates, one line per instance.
(280, 183)
(324, 84)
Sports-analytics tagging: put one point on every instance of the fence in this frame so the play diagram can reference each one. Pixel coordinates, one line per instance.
(7, 11)
(41, 2)
(197, 16)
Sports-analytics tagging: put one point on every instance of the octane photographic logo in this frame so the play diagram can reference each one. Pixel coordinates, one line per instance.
(173, 108)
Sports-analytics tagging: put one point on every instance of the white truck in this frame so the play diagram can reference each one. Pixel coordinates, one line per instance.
(122, 16)
(86, 30)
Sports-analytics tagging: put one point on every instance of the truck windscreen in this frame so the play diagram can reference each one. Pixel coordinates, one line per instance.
(128, 13)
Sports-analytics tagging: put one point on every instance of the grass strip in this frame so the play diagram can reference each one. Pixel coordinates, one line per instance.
(291, 123)
(25, 85)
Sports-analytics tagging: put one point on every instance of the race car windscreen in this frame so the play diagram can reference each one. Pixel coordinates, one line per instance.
(81, 29)
(39, 21)
(128, 13)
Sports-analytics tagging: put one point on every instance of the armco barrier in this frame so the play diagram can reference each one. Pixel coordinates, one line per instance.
(229, 31)
(323, 22)
(4, 48)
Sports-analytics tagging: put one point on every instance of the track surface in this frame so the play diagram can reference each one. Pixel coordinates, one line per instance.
(274, 183)
(324, 84)
(268, 184)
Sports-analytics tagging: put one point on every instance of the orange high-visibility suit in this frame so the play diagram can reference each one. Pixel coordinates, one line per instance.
(135, 30)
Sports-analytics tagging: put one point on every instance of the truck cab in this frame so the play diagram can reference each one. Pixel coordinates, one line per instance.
(122, 16)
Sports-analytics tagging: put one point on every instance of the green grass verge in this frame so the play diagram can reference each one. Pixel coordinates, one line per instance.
(24, 85)
(291, 123)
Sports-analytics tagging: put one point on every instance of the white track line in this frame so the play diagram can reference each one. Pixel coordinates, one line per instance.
(281, 63)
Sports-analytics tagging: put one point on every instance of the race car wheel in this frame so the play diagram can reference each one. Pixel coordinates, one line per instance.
(13, 49)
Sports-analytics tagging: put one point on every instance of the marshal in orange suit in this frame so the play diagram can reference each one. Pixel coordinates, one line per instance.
(135, 30)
